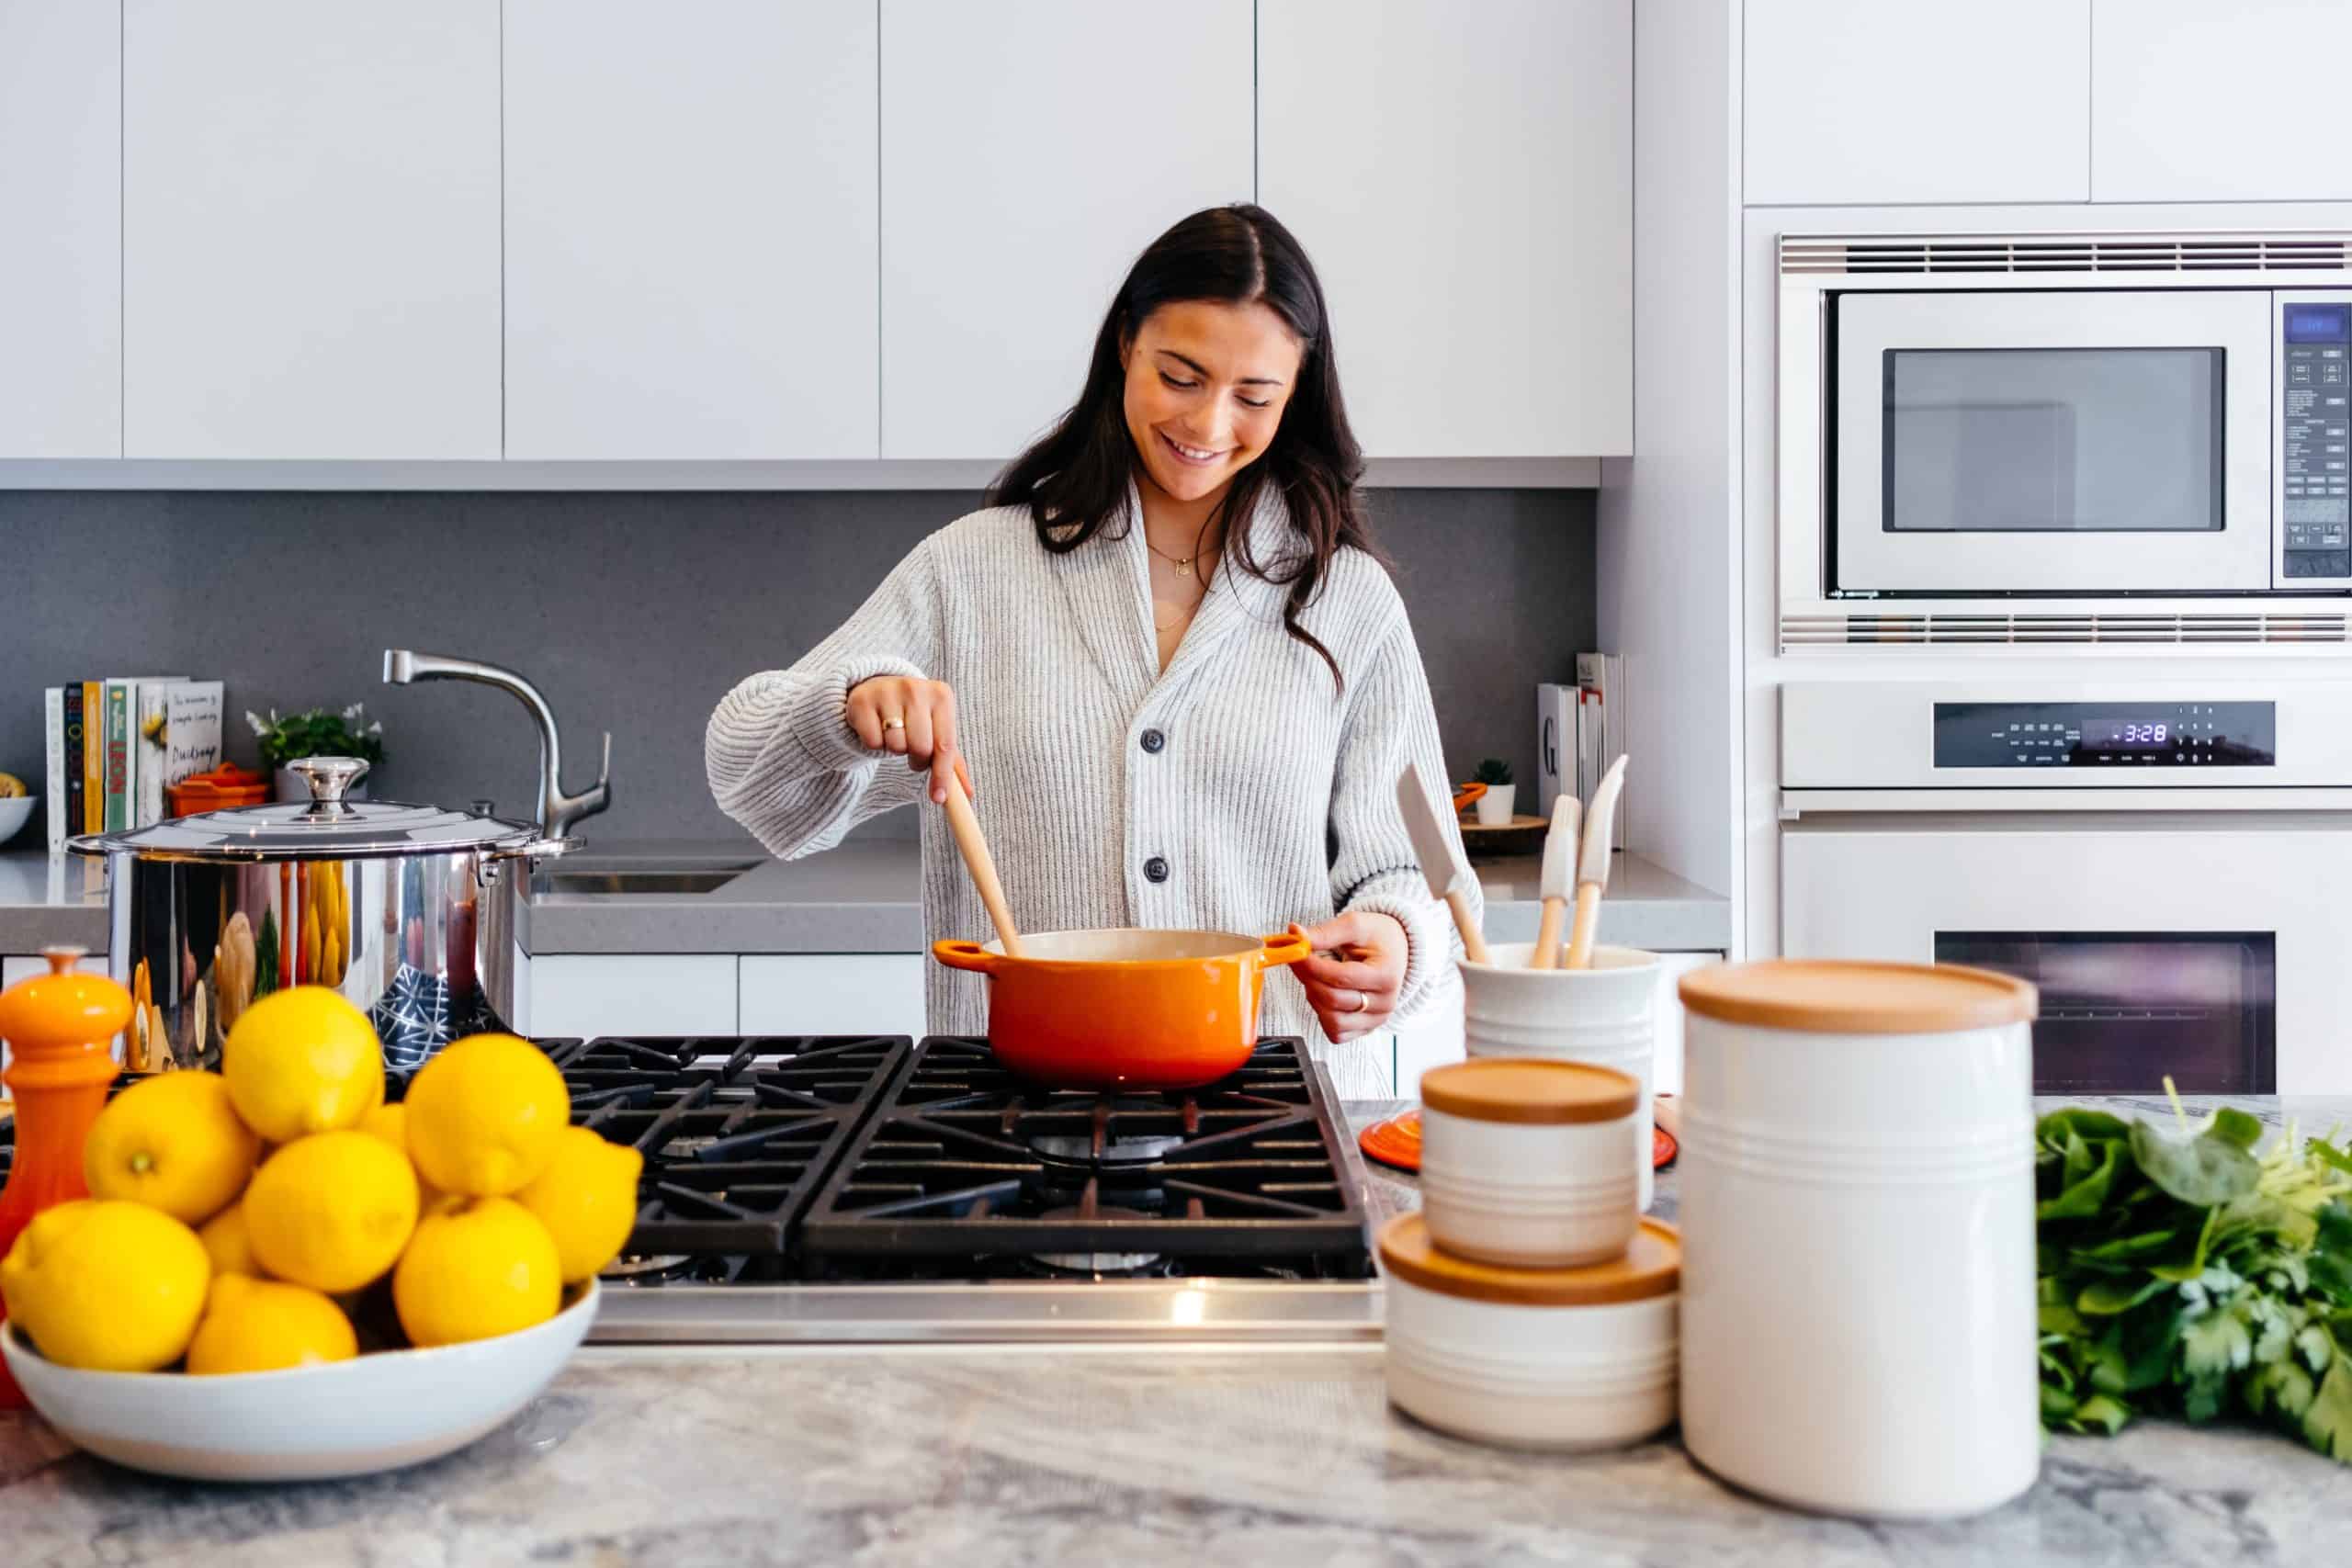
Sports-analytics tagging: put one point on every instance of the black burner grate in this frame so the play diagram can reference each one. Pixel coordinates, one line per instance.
(736, 1132)
(965, 1160)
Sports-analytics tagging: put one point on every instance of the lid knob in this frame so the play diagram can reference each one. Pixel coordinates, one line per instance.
(329, 779)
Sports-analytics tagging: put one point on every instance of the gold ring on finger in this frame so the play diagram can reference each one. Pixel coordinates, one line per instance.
(894, 724)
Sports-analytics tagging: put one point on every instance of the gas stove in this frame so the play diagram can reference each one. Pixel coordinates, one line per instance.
(878, 1188)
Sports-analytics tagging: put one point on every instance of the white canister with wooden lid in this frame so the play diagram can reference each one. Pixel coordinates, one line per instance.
(1532, 1357)
(1527, 1162)
(1858, 1222)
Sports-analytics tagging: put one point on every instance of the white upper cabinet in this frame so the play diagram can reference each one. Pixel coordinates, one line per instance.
(1920, 100)
(311, 212)
(61, 229)
(1461, 178)
(691, 229)
(2203, 100)
(1031, 149)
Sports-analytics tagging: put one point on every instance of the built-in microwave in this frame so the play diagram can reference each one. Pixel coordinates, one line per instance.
(2099, 420)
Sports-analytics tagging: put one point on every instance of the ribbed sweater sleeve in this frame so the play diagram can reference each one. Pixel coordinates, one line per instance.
(1391, 721)
(781, 759)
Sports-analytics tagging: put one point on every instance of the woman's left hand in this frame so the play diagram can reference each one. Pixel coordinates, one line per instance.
(1352, 975)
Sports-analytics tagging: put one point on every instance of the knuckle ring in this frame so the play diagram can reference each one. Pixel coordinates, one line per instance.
(1361, 1001)
(894, 723)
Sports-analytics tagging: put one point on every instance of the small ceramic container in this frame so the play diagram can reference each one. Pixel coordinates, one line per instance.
(1858, 1201)
(1605, 1015)
(1561, 1358)
(1527, 1163)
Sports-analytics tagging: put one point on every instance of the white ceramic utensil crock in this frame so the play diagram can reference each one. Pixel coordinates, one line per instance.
(1525, 1161)
(1540, 1359)
(1857, 1216)
(1605, 1015)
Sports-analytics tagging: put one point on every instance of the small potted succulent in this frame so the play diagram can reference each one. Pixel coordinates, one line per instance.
(1493, 807)
(316, 732)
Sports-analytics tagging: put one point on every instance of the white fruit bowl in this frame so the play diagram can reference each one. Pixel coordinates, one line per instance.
(375, 1412)
(15, 810)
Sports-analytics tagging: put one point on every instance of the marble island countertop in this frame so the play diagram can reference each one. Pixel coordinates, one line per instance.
(1121, 1456)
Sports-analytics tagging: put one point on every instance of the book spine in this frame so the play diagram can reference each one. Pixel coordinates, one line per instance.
(93, 786)
(53, 733)
(70, 755)
(148, 753)
(118, 755)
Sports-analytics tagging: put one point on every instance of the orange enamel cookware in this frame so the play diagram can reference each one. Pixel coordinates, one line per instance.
(1124, 1008)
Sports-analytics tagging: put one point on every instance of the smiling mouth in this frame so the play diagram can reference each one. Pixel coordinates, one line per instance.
(1199, 458)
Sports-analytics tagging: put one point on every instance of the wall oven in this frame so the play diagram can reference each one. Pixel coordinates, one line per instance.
(2033, 430)
(2170, 864)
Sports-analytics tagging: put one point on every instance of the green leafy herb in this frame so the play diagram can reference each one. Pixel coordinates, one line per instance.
(318, 732)
(2186, 1271)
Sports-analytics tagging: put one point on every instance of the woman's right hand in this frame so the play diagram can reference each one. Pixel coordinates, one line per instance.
(925, 731)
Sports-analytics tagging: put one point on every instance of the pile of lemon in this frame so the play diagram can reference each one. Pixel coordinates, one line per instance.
(259, 1218)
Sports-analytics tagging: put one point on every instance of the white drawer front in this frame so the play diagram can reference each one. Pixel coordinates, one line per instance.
(634, 993)
(832, 993)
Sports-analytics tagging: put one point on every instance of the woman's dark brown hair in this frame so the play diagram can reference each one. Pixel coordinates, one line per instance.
(1074, 481)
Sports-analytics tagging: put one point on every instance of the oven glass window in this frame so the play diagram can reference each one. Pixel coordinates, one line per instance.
(2052, 440)
(2120, 1010)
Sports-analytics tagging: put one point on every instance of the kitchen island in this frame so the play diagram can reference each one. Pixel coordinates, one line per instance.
(1121, 1455)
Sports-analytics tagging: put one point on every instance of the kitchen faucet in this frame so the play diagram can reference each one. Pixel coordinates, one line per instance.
(557, 811)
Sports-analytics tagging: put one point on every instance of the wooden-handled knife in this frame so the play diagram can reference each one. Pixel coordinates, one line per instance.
(1448, 877)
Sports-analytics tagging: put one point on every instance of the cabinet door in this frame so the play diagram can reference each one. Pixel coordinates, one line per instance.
(310, 228)
(691, 229)
(1031, 149)
(1868, 101)
(1463, 182)
(631, 993)
(832, 993)
(2193, 101)
(61, 207)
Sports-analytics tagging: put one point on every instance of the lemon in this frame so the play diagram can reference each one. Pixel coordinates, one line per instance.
(228, 1244)
(303, 1061)
(390, 1122)
(260, 1326)
(173, 1143)
(106, 1284)
(587, 1199)
(11, 786)
(484, 1115)
(487, 1269)
(332, 1210)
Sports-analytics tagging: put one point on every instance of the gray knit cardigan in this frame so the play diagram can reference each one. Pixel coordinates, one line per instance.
(1237, 790)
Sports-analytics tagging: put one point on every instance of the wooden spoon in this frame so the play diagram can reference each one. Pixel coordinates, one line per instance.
(969, 843)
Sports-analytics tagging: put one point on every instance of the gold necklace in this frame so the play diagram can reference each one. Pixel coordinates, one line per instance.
(1184, 564)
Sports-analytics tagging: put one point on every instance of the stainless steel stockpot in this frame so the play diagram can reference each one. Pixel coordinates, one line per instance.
(409, 911)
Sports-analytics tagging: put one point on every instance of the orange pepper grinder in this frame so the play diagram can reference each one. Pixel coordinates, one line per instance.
(61, 1027)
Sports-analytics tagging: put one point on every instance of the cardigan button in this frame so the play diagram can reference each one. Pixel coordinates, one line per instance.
(1153, 741)
(1155, 870)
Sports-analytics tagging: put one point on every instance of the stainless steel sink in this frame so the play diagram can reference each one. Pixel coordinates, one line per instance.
(703, 880)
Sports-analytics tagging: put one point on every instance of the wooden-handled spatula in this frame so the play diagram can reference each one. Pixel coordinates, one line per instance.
(1448, 878)
(1592, 866)
(1559, 882)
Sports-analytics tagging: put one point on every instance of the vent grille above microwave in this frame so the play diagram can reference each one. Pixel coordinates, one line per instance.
(1881, 628)
(1885, 254)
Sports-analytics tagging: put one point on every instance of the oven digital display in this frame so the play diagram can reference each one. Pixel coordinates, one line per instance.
(2105, 735)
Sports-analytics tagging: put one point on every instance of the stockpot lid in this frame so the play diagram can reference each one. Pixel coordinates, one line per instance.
(327, 826)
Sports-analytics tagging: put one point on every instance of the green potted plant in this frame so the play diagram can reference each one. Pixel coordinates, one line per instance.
(316, 732)
(1493, 807)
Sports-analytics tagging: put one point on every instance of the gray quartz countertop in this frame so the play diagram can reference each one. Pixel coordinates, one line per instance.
(1048, 1455)
(866, 897)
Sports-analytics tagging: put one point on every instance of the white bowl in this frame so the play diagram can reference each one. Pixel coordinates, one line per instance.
(15, 810)
(372, 1413)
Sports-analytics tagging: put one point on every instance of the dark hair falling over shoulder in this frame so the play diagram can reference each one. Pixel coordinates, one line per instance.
(1074, 481)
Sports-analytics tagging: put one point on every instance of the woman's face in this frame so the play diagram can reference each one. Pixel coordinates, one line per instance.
(1207, 385)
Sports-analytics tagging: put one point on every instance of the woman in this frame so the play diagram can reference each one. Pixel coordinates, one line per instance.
(1167, 655)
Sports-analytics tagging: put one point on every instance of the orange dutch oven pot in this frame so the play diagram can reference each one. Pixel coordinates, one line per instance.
(1124, 1008)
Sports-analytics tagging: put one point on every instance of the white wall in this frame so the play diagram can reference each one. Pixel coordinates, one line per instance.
(1670, 534)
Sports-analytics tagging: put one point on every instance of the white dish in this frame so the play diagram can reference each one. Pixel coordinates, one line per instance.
(15, 810)
(373, 1413)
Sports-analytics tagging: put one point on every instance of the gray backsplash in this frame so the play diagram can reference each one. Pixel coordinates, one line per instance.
(634, 613)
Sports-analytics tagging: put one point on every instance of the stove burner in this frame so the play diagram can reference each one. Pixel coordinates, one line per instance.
(651, 1269)
(1087, 1212)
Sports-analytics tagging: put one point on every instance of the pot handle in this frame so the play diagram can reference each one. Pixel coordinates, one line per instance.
(968, 955)
(1288, 947)
(1467, 794)
(535, 851)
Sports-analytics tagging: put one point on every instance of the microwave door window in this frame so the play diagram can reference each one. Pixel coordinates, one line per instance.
(2052, 440)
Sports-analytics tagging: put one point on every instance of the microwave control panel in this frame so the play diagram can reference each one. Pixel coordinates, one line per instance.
(2106, 735)
(2315, 439)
